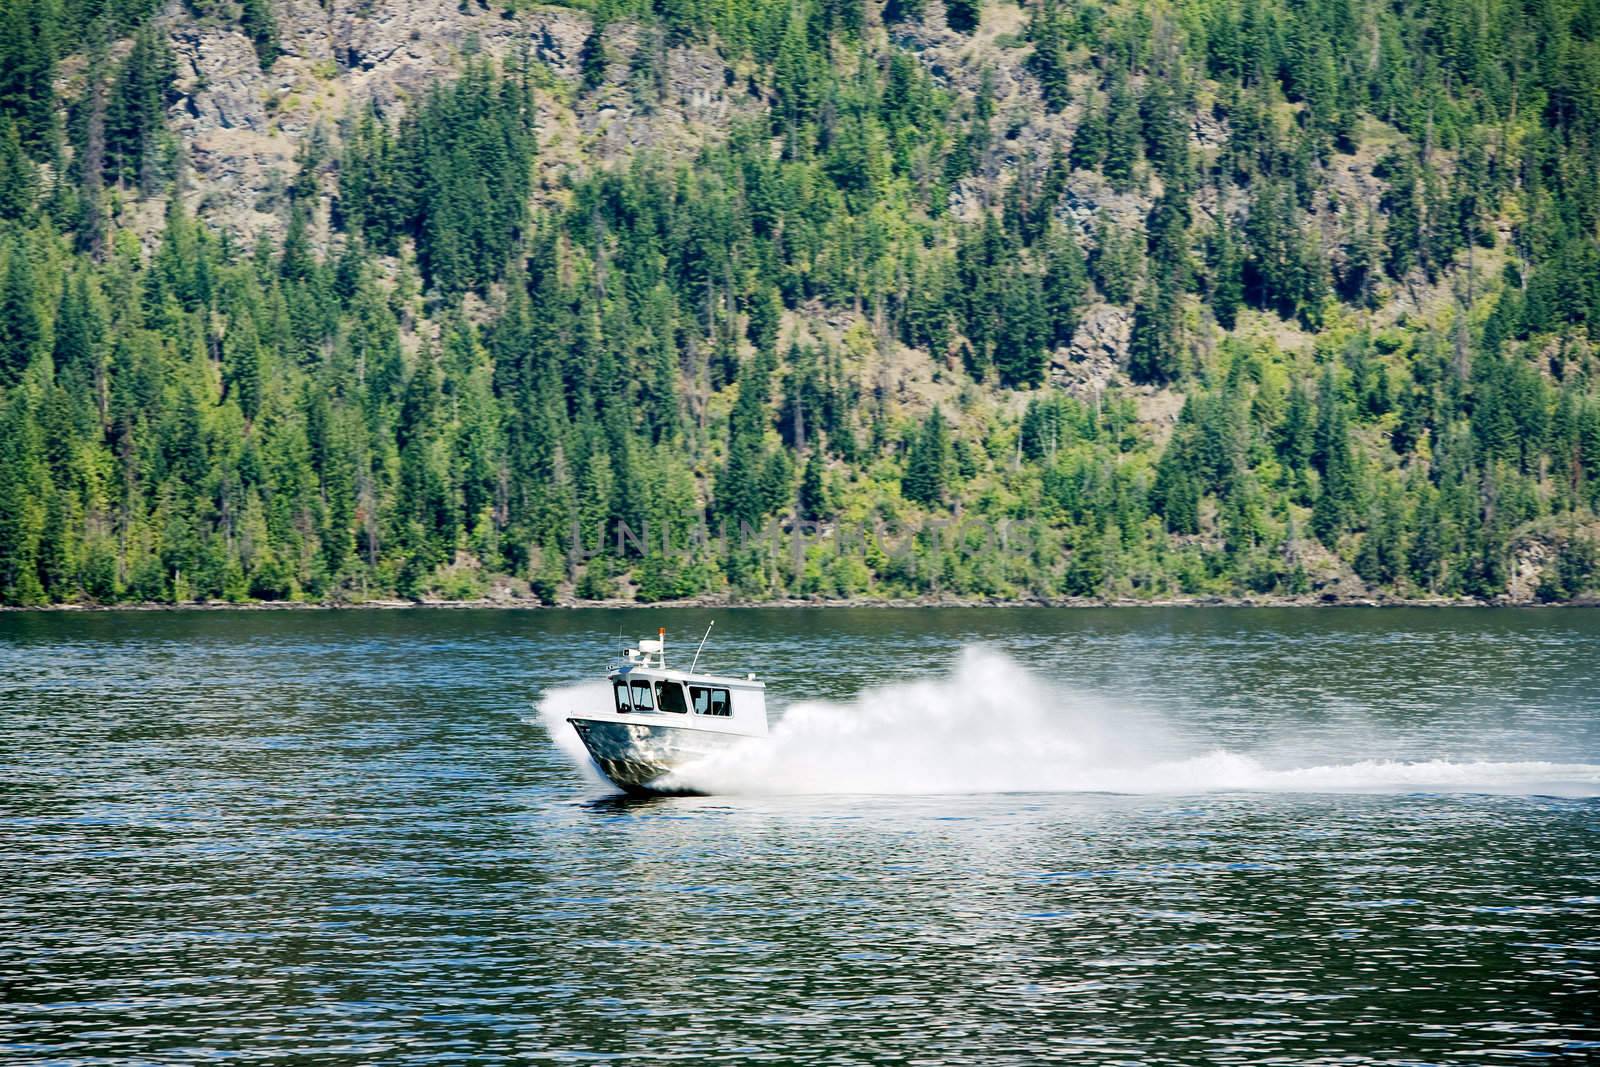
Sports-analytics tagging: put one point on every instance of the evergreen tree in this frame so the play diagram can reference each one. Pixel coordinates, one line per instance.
(22, 515)
(904, 11)
(813, 501)
(1021, 333)
(927, 463)
(1090, 140)
(21, 331)
(1166, 134)
(258, 23)
(1296, 435)
(1123, 134)
(962, 15)
(1403, 233)
(739, 493)
(1332, 458)
(1226, 276)
(1066, 282)
(1049, 58)
(592, 59)
(766, 314)
(1116, 261)
(79, 334)
(19, 177)
(1153, 345)
(135, 122)
(241, 366)
(27, 71)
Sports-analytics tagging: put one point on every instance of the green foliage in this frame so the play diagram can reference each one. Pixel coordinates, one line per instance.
(642, 365)
(136, 140)
(592, 59)
(962, 15)
(21, 330)
(1049, 60)
(28, 43)
(928, 463)
(19, 177)
(1154, 342)
(1576, 568)
(455, 178)
(259, 24)
(813, 504)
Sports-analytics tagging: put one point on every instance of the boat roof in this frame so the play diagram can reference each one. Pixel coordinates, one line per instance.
(649, 659)
(619, 670)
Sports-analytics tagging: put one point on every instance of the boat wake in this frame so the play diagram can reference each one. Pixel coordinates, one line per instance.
(992, 727)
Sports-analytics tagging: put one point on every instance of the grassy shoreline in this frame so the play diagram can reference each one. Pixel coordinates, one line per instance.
(908, 603)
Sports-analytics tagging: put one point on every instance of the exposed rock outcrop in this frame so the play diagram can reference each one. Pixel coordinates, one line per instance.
(242, 127)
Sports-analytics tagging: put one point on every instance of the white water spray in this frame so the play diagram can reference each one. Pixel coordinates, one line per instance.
(991, 727)
(567, 700)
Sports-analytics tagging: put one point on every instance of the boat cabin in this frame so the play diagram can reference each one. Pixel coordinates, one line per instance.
(642, 684)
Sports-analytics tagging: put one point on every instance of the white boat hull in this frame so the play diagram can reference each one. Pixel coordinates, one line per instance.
(638, 757)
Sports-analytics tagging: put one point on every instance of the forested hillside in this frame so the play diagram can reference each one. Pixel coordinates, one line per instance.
(1124, 300)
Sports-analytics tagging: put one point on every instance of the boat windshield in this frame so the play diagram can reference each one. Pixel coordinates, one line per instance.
(622, 696)
(669, 697)
(641, 697)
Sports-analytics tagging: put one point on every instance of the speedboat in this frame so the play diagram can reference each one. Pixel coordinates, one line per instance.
(662, 720)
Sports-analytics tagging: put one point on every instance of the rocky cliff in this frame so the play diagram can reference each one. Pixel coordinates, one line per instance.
(245, 130)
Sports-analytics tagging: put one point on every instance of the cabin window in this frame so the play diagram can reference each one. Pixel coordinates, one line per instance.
(669, 697)
(641, 697)
(622, 697)
(709, 701)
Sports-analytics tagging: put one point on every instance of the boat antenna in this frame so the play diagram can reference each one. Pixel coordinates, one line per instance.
(702, 644)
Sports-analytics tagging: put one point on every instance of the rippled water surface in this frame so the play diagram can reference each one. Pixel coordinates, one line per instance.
(979, 836)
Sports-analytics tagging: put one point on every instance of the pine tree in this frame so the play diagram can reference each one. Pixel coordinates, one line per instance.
(27, 71)
(1296, 436)
(777, 482)
(1403, 233)
(903, 11)
(1166, 135)
(19, 176)
(1089, 141)
(1175, 494)
(296, 262)
(21, 332)
(766, 315)
(1019, 342)
(592, 59)
(1116, 261)
(1226, 278)
(1381, 558)
(1153, 345)
(135, 123)
(962, 15)
(1331, 455)
(927, 463)
(739, 494)
(22, 511)
(1049, 59)
(79, 334)
(1066, 282)
(813, 500)
(1123, 134)
(241, 365)
(258, 23)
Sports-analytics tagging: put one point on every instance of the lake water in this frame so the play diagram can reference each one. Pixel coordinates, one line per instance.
(980, 836)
